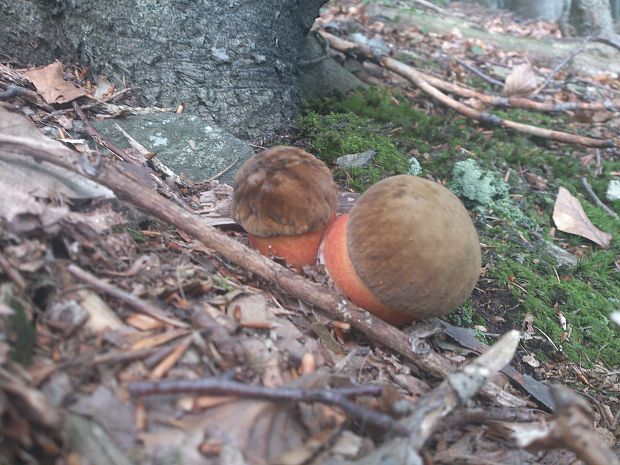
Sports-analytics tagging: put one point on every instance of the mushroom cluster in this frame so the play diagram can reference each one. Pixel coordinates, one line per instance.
(284, 198)
(406, 251)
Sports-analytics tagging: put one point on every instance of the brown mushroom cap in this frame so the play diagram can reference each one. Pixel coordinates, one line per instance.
(413, 244)
(283, 191)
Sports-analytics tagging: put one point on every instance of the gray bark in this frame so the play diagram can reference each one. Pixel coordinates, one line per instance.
(547, 10)
(233, 62)
(591, 17)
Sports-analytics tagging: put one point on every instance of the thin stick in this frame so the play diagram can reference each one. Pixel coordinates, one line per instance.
(88, 106)
(13, 91)
(134, 302)
(431, 6)
(12, 273)
(479, 73)
(92, 132)
(561, 65)
(599, 203)
(224, 171)
(433, 406)
(222, 387)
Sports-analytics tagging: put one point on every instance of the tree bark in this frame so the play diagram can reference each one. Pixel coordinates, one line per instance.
(591, 17)
(233, 62)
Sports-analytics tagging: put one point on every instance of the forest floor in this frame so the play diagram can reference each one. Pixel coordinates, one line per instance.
(73, 340)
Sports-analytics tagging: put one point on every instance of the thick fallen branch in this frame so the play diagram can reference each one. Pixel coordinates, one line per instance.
(421, 81)
(119, 180)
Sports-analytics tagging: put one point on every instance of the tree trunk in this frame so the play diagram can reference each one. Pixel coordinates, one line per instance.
(547, 10)
(591, 17)
(233, 62)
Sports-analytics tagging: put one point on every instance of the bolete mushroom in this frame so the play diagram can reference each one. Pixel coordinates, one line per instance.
(284, 197)
(406, 251)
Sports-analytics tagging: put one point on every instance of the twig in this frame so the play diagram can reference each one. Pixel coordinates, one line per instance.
(561, 65)
(114, 177)
(598, 202)
(222, 387)
(130, 299)
(571, 428)
(479, 73)
(471, 416)
(93, 358)
(612, 41)
(224, 171)
(431, 6)
(520, 102)
(12, 273)
(415, 77)
(88, 106)
(92, 132)
(599, 165)
(432, 407)
(13, 91)
(123, 154)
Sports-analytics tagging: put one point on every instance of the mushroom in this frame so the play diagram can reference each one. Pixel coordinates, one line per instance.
(284, 197)
(406, 251)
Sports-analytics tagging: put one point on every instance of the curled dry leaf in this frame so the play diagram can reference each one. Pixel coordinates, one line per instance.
(521, 81)
(569, 217)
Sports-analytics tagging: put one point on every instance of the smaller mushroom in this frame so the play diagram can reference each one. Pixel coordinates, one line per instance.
(284, 198)
(407, 250)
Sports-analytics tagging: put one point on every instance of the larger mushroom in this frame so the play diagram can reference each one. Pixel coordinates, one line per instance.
(406, 251)
(285, 197)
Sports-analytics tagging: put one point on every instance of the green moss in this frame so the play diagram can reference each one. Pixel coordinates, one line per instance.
(585, 294)
(462, 316)
(513, 219)
(136, 234)
(337, 134)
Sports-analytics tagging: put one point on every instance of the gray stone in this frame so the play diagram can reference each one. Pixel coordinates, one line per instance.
(613, 190)
(184, 143)
(561, 256)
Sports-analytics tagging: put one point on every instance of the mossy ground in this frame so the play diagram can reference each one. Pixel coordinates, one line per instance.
(519, 276)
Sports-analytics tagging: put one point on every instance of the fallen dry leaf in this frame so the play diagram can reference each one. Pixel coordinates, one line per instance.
(531, 360)
(521, 81)
(51, 85)
(569, 217)
(537, 182)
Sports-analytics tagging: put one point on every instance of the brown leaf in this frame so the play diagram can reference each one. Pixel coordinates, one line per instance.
(537, 182)
(569, 217)
(520, 81)
(51, 85)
